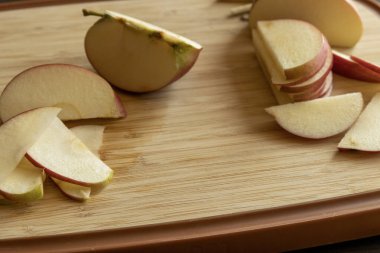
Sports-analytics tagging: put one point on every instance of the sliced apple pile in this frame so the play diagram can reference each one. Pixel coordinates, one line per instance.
(364, 134)
(92, 137)
(319, 118)
(355, 68)
(338, 20)
(80, 93)
(135, 55)
(19, 180)
(296, 59)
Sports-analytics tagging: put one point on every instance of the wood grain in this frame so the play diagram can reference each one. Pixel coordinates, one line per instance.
(201, 147)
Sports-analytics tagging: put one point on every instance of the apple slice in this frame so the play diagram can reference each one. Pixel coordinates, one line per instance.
(18, 134)
(137, 56)
(345, 66)
(79, 92)
(24, 184)
(306, 95)
(319, 118)
(364, 135)
(297, 48)
(65, 157)
(92, 137)
(338, 20)
(367, 64)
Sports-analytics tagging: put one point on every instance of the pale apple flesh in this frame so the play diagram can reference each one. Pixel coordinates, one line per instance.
(296, 47)
(364, 135)
(338, 20)
(19, 133)
(319, 118)
(345, 66)
(136, 56)
(63, 156)
(24, 184)
(92, 137)
(79, 92)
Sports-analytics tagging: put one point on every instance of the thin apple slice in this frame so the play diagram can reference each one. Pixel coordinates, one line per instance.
(65, 157)
(80, 93)
(370, 65)
(338, 20)
(364, 135)
(92, 137)
(345, 66)
(137, 56)
(313, 82)
(19, 133)
(23, 184)
(319, 118)
(297, 47)
(306, 95)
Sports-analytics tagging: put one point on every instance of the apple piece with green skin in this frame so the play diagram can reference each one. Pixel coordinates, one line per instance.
(24, 184)
(64, 156)
(338, 20)
(19, 133)
(92, 137)
(345, 66)
(137, 56)
(297, 48)
(364, 134)
(80, 93)
(367, 64)
(319, 118)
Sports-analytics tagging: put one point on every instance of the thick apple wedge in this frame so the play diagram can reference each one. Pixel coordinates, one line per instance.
(19, 133)
(65, 157)
(338, 20)
(364, 135)
(92, 137)
(345, 66)
(79, 92)
(319, 118)
(24, 184)
(137, 56)
(296, 47)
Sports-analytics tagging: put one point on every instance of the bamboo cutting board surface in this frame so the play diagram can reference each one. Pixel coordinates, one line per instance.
(202, 146)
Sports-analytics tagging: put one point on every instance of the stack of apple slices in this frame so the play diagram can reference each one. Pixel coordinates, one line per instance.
(296, 59)
(33, 129)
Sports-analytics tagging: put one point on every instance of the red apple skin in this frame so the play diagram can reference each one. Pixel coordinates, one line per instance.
(354, 70)
(120, 106)
(367, 64)
(53, 174)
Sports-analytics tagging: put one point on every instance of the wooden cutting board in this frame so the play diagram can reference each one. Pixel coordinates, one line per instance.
(201, 147)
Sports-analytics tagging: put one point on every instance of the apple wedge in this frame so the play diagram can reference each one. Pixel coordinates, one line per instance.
(367, 64)
(92, 137)
(319, 118)
(345, 66)
(338, 20)
(137, 56)
(364, 134)
(79, 92)
(296, 47)
(65, 157)
(24, 183)
(19, 133)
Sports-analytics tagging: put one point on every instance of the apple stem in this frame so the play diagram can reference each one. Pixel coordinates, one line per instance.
(93, 13)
